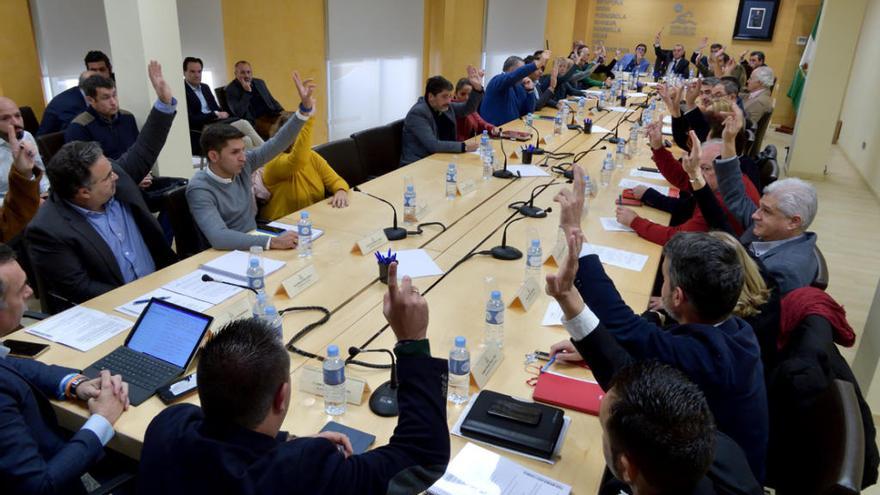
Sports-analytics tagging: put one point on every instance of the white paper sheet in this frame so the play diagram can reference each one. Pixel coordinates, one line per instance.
(316, 233)
(527, 170)
(553, 315)
(666, 130)
(646, 175)
(235, 264)
(667, 120)
(211, 292)
(596, 92)
(416, 263)
(80, 327)
(598, 129)
(621, 109)
(651, 84)
(616, 257)
(477, 471)
(630, 183)
(636, 94)
(612, 225)
(137, 305)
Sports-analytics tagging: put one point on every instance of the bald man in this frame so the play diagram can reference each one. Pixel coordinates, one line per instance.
(65, 107)
(10, 120)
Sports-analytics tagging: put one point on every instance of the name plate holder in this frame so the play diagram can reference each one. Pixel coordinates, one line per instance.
(370, 243)
(299, 281)
(527, 294)
(484, 367)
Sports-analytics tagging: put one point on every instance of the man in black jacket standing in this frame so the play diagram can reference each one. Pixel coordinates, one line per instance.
(233, 443)
(95, 232)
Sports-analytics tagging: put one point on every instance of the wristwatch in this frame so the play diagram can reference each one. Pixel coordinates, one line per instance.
(74, 383)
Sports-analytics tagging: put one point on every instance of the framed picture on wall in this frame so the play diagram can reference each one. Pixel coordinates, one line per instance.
(755, 20)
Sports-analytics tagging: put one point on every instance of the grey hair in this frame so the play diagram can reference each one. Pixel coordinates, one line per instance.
(765, 76)
(796, 197)
(510, 62)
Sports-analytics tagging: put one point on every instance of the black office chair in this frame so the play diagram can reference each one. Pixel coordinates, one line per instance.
(379, 148)
(29, 119)
(769, 172)
(342, 155)
(221, 98)
(188, 238)
(760, 131)
(820, 281)
(49, 144)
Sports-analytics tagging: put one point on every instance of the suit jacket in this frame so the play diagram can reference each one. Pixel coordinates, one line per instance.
(36, 455)
(194, 114)
(115, 136)
(239, 100)
(69, 256)
(664, 57)
(723, 360)
(61, 110)
(419, 138)
(758, 106)
(185, 453)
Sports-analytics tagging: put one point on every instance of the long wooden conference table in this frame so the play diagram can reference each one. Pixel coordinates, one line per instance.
(348, 286)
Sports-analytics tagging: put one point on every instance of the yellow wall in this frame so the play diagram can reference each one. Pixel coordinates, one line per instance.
(276, 37)
(453, 37)
(20, 77)
(559, 26)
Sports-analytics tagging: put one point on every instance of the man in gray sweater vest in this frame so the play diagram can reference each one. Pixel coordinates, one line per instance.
(220, 196)
(776, 230)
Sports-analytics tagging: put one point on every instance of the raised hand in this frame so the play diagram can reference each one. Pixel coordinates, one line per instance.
(554, 73)
(404, 308)
(692, 91)
(657, 38)
(655, 135)
(475, 77)
(163, 90)
(742, 56)
(528, 84)
(23, 153)
(691, 161)
(702, 45)
(542, 60)
(571, 202)
(306, 90)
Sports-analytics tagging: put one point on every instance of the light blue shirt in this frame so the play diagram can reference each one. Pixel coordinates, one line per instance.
(198, 91)
(117, 227)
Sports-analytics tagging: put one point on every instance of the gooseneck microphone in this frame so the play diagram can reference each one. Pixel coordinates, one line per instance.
(529, 209)
(616, 138)
(538, 150)
(503, 173)
(208, 278)
(505, 252)
(393, 233)
(569, 174)
(383, 401)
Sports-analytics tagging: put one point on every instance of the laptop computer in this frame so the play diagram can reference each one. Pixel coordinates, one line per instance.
(158, 349)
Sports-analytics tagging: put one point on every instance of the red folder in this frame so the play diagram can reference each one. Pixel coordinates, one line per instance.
(570, 393)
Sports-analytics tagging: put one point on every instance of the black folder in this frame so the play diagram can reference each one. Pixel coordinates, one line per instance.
(525, 427)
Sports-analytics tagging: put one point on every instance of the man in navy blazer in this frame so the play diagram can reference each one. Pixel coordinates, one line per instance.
(702, 280)
(233, 443)
(36, 455)
(65, 107)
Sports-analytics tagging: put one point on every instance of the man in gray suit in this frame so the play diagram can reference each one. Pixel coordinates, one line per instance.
(430, 127)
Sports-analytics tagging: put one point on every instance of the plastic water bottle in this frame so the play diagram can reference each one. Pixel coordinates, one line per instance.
(582, 107)
(601, 103)
(334, 382)
(409, 204)
(534, 260)
(618, 156)
(632, 146)
(607, 170)
(557, 124)
(692, 72)
(495, 320)
(304, 229)
(530, 119)
(484, 143)
(259, 309)
(255, 275)
(589, 192)
(458, 388)
(273, 319)
(488, 162)
(451, 181)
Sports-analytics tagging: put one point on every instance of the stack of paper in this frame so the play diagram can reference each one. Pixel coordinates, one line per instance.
(79, 327)
(416, 263)
(646, 175)
(527, 170)
(234, 264)
(630, 184)
(615, 257)
(475, 470)
(210, 292)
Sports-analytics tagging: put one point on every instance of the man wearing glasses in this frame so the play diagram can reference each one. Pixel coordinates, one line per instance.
(95, 232)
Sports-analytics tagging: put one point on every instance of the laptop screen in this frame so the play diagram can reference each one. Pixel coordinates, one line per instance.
(168, 332)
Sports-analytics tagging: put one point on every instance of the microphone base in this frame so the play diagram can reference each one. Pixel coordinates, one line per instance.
(615, 140)
(507, 253)
(532, 211)
(504, 174)
(538, 151)
(395, 233)
(383, 402)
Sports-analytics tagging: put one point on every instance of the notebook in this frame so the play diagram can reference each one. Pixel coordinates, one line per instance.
(568, 392)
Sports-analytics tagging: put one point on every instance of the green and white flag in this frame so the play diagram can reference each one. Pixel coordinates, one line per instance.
(800, 76)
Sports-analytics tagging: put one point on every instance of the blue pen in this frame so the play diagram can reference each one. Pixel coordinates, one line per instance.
(145, 301)
(549, 363)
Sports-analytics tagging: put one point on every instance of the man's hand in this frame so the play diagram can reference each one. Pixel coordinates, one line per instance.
(221, 115)
(471, 146)
(565, 352)
(554, 73)
(692, 91)
(404, 308)
(528, 84)
(742, 56)
(625, 216)
(702, 45)
(733, 124)
(287, 240)
(475, 77)
(338, 439)
(654, 131)
(691, 161)
(146, 182)
(340, 199)
(23, 154)
(542, 60)
(163, 90)
(657, 38)
(89, 389)
(560, 285)
(571, 202)
(306, 90)
(112, 398)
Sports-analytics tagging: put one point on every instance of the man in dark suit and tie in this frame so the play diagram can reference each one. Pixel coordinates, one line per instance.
(249, 98)
(670, 61)
(64, 107)
(95, 232)
(233, 443)
(36, 455)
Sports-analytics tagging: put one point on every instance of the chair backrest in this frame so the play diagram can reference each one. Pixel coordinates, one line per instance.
(221, 98)
(379, 148)
(188, 239)
(769, 171)
(820, 281)
(49, 144)
(29, 119)
(342, 155)
(761, 130)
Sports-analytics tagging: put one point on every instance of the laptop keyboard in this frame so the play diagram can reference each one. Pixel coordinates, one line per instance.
(138, 369)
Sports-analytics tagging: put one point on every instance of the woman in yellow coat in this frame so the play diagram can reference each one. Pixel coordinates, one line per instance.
(300, 178)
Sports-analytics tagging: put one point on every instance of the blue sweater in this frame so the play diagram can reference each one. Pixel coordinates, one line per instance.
(115, 135)
(505, 98)
(724, 360)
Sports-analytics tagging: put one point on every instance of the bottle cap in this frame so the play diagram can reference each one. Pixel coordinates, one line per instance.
(410, 187)
(254, 262)
(496, 294)
(304, 214)
(536, 242)
(460, 341)
(332, 350)
(270, 310)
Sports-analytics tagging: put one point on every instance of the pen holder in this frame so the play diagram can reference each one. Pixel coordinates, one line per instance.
(588, 127)
(526, 156)
(383, 273)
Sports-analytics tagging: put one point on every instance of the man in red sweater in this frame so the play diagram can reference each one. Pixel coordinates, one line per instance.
(471, 124)
(676, 175)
